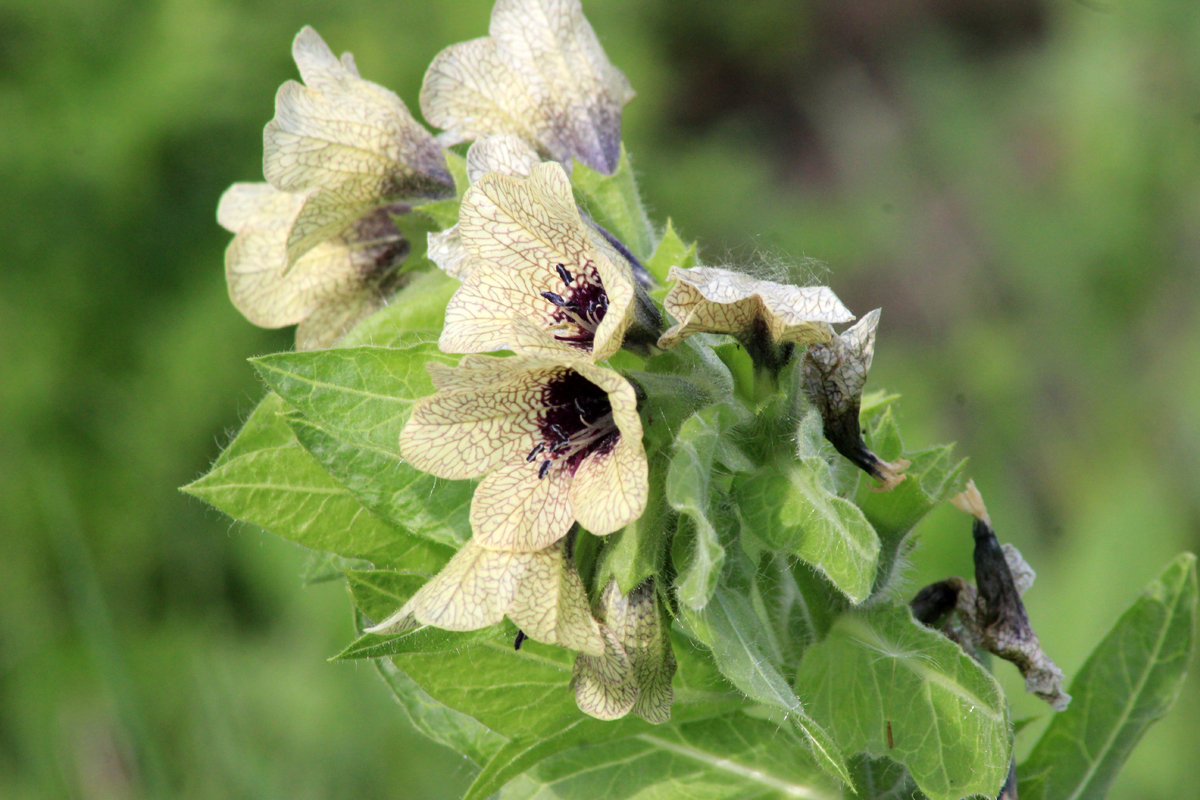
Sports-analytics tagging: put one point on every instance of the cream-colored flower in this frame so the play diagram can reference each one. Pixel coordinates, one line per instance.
(834, 375)
(347, 145)
(536, 259)
(332, 286)
(503, 153)
(555, 438)
(634, 672)
(713, 300)
(541, 75)
(540, 592)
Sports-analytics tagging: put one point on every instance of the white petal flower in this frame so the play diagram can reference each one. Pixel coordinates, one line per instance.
(348, 145)
(332, 286)
(541, 75)
(536, 259)
(555, 438)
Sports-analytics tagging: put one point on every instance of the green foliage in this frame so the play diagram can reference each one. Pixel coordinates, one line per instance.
(613, 202)
(1128, 682)
(947, 717)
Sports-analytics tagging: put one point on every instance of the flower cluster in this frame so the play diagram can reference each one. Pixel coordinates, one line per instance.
(552, 430)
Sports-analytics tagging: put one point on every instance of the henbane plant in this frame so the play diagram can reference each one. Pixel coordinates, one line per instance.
(616, 522)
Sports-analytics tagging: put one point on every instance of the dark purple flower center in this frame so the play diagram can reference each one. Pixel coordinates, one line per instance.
(576, 422)
(579, 308)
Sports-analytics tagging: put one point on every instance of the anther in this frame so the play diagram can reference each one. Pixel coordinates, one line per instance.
(562, 273)
(533, 453)
(556, 299)
(544, 469)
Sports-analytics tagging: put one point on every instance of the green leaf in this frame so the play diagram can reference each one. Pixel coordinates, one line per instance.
(440, 723)
(284, 490)
(324, 567)
(735, 635)
(1129, 681)
(413, 501)
(882, 779)
(420, 307)
(362, 395)
(526, 696)
(731, 757)
(933, 476)
(690, 492)
(671, 252)
(613, 202)
(791, 507)
(948, 717)
(263, 429)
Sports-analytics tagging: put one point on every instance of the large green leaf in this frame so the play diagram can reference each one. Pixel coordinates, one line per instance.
(284, 490)
(691, 492)
(736, 635)
(613, 201)
(879, 671)
(442, 724)
(413, 501)
(933, 476)
(1128, 682)
(791, 507)
(362, 395)
(730, 757)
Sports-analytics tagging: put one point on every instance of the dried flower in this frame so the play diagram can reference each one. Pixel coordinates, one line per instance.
(992, 617)
(347, 145)
(541, 75)
(834, 376)
(332, 286)
(556, 439)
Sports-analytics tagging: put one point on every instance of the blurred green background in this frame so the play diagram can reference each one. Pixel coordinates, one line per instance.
(1016, 182)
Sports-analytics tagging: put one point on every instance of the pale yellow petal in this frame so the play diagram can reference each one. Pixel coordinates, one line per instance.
(541, 75)
(445, 248)
(610, 489)
(712, 300)
(474, 590)
(504, 153)
(490, 418)
(551, 605)
(346, 144)
(332, 286)
(655, 694)
(515, 509)
(599, 699)
(642, 628)
(469, 92)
